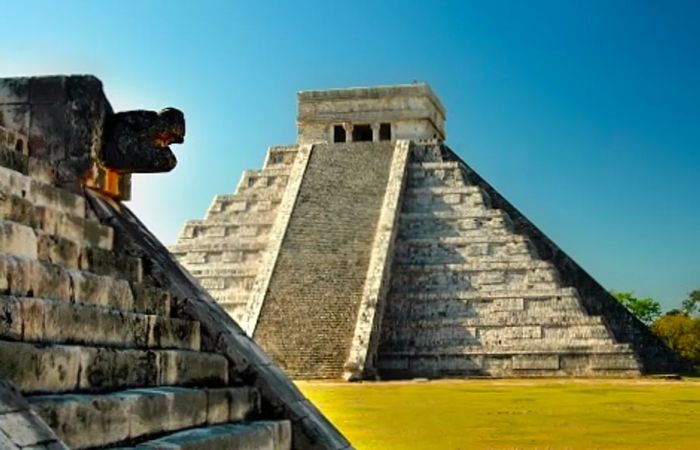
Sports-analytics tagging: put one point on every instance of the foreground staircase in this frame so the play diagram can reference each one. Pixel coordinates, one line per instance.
(469, 296)
(92, 342)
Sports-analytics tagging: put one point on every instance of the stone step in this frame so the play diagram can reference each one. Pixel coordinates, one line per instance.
(473, 238)
(25, 277)
(233, 270)
(209, 247)
(252, 195)
(426, 153)
(237, 260)
(61, 322)
(271, 177)
(22, 240)
(241, 284)
(452, 250)
(417, 167)
(519, 320)
(221, 231)
(466, 223)
(410, 335)
(450, 198)
(242, 216)
(554, 308)
(483, 296)
(458, 344)
(425, 174)
(476, 274)
(396, 365)
(88, 420)
(439, 216)
(36, 368)
(85, 232)
(280, 156)
(474, 266)
(249, 200)
(237, 221)
(213, 267)
(509, 350)
(41, 194)
(258, 435)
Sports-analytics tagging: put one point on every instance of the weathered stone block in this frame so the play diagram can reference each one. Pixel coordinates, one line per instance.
(13, 183)
(103, 368)
(181, 367)
(218, 405)
(527, 362)
(76, 323)
(18, 239)
(85, 420)
(58, 250)
(33, 319)
(36, 368)
(101, 290)
(156, 410)
(174, 333)
(10, 318)
(17, 209)
(26, 277)
(149, 299)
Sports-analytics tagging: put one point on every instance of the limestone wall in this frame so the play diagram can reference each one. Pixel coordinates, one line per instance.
(653, 355)
(309, 314)
(470, 294)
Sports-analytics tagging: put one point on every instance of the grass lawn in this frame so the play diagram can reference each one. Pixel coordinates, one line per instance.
(514, 414)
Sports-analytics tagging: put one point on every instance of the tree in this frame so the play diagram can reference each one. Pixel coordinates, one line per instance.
(682, 333)
(691, 305)
(646, 309)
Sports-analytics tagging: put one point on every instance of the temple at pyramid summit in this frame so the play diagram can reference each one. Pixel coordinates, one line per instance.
(369, 249)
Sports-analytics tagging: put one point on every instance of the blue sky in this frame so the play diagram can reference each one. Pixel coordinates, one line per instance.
(586, 115)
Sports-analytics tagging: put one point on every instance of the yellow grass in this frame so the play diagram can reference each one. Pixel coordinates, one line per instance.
(514, 414)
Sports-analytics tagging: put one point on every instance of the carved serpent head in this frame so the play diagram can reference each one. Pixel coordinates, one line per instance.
(138, 141)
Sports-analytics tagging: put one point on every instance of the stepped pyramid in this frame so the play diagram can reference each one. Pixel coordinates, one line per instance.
(369, 248)
(105, 341)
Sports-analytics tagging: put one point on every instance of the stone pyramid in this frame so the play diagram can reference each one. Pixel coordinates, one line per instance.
(105, 341)
(370, 249)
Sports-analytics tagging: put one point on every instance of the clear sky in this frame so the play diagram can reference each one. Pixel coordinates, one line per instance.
(585, 115)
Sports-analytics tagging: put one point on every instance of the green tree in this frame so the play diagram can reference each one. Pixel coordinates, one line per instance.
(682, 333)
(691, 305)
(646, 309)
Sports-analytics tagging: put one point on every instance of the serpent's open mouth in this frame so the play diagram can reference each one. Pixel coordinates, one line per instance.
(174, 132)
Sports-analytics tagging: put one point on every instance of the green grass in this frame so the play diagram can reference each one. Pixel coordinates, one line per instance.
(514, 414)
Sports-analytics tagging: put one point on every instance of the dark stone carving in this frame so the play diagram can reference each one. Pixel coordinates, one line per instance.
(137, 141)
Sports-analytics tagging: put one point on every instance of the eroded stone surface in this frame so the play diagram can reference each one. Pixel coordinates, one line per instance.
(88, 331)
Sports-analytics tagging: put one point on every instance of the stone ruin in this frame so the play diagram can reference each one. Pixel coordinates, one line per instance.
(105, 341)
(370, 249)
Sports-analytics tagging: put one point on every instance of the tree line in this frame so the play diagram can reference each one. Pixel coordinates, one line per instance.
(679, 328)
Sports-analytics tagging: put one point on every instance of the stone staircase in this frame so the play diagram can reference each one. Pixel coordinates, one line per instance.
(225, 249)
(93, 344)
(308, 318)
(470, 296)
